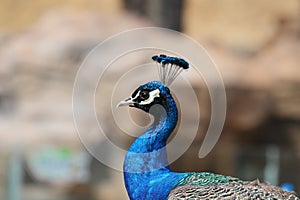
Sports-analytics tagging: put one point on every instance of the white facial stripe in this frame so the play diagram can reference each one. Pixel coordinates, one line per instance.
(152, 95)
(137, 94)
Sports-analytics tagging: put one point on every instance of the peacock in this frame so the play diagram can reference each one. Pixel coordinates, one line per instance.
(147, 174)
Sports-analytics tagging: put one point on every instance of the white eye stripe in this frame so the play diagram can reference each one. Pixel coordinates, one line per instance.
(137, 94)
(152, 95)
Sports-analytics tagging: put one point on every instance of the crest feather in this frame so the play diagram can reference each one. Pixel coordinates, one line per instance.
(169, 67)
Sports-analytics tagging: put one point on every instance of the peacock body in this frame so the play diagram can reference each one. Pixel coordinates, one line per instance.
(146, 171)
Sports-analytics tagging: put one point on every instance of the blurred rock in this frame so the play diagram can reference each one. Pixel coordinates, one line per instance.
(18, 17)
(39, 67)
(256, 48)
(244, 26)
(247, 109)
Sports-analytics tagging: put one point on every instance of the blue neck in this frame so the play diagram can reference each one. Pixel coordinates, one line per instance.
(146, 170)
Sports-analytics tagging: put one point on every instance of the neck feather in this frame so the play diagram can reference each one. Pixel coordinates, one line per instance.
(155, 137)
(146, 170)
(148, 152)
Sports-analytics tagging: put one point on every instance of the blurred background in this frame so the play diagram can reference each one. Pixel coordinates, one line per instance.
(255, 43)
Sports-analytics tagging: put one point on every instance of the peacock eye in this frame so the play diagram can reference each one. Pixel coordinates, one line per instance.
(144, 94)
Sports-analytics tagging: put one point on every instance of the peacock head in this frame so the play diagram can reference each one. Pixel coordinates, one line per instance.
(155, 92)
(147, 95)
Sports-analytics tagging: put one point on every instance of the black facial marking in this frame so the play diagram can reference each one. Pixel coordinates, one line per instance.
(135, 92)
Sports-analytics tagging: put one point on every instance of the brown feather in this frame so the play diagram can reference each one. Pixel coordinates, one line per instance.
(234, 191)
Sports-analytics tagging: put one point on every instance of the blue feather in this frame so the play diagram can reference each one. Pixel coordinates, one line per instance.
(146, 164)
(163, 59)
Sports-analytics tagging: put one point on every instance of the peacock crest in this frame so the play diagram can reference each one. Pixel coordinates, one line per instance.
(169, 67)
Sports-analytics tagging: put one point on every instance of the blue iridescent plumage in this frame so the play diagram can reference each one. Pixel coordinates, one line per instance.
(147, 174)
(146, 164)
(163, 59)
(169, 67)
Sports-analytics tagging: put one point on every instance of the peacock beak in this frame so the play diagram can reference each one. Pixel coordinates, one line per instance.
(126, 102)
